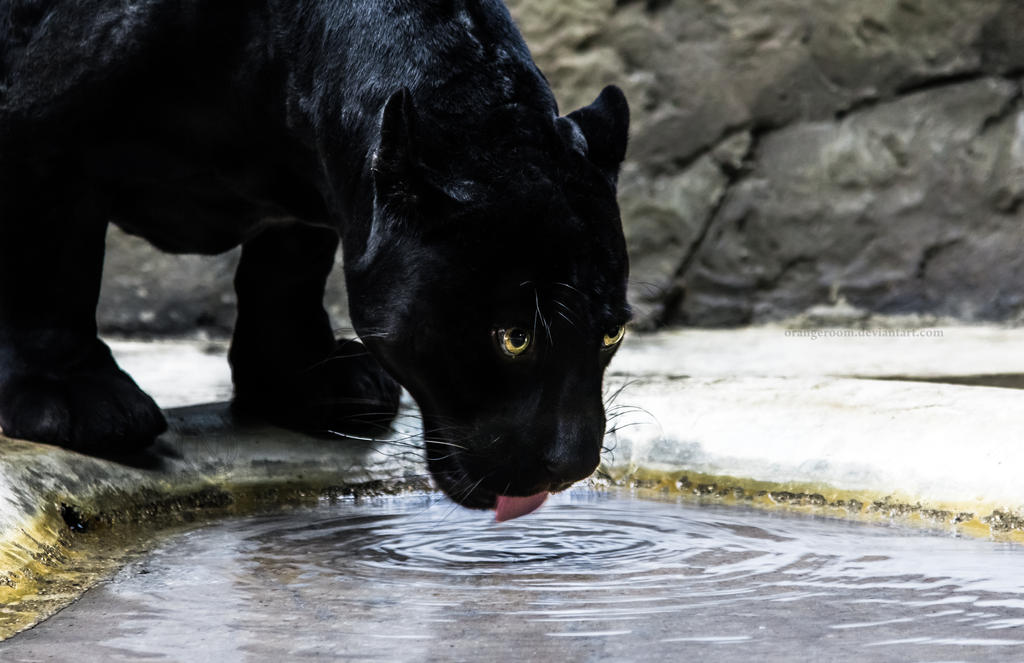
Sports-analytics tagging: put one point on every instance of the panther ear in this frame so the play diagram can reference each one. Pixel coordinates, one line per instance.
(403, 182)
(394, 162)
(605, 125)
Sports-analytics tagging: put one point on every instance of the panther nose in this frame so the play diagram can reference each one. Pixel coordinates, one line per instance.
(575, 453)
(567, 468)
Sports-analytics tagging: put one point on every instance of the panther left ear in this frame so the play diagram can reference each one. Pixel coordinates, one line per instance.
(394, 162)
(402, 180)
(605, 125)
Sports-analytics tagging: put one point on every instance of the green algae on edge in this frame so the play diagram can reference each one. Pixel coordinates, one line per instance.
(975, 519)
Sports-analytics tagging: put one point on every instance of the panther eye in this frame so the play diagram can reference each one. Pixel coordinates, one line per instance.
(514, 341)
(613, 337)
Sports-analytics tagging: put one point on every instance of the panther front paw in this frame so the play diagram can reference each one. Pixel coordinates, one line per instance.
(347, 392)
(100, 413)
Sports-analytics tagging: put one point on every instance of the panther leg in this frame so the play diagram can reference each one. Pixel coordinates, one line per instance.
(286, 364)
(58, 381)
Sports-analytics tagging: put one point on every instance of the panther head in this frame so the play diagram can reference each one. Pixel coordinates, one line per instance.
(492, 285)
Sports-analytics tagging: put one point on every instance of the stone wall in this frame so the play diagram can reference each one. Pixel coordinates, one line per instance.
(784, 154)
(792, 153)
(148, 293)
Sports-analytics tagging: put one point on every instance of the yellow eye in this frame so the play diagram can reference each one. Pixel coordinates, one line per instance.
(514, 341)
(611, 339)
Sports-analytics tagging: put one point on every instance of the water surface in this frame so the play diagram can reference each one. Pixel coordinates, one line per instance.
(588, 577)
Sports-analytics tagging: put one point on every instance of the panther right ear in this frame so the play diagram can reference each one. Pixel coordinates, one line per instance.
(395, 161)
(605, 125)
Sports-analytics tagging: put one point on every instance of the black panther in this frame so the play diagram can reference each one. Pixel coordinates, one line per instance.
(483, 252)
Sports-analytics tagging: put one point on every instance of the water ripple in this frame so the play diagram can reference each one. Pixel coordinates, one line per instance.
(588, 576)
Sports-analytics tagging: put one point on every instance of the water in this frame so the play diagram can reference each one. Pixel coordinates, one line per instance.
(588, 577)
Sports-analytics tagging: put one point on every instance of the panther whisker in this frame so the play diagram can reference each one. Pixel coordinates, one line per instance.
(629, 424)
(619, 410)
(446, 443)
(369, 332)
(469, 490)
(568, 310)
(332, 358)
(562, 314)
(400, 441)
(619, 390)
(361, 438)
(457, 493)
(539, 314)
(403, 455)
(631, 409)
(563, 284)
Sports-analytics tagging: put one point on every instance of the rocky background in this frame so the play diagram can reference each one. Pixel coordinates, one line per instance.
(785, 155)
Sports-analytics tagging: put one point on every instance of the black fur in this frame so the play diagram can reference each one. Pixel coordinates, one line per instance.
(419, 132)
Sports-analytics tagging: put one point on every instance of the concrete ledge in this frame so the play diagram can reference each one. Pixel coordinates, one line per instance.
(876, 422)
(869, 446)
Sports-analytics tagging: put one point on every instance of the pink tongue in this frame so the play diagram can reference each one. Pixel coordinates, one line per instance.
(508, 508)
